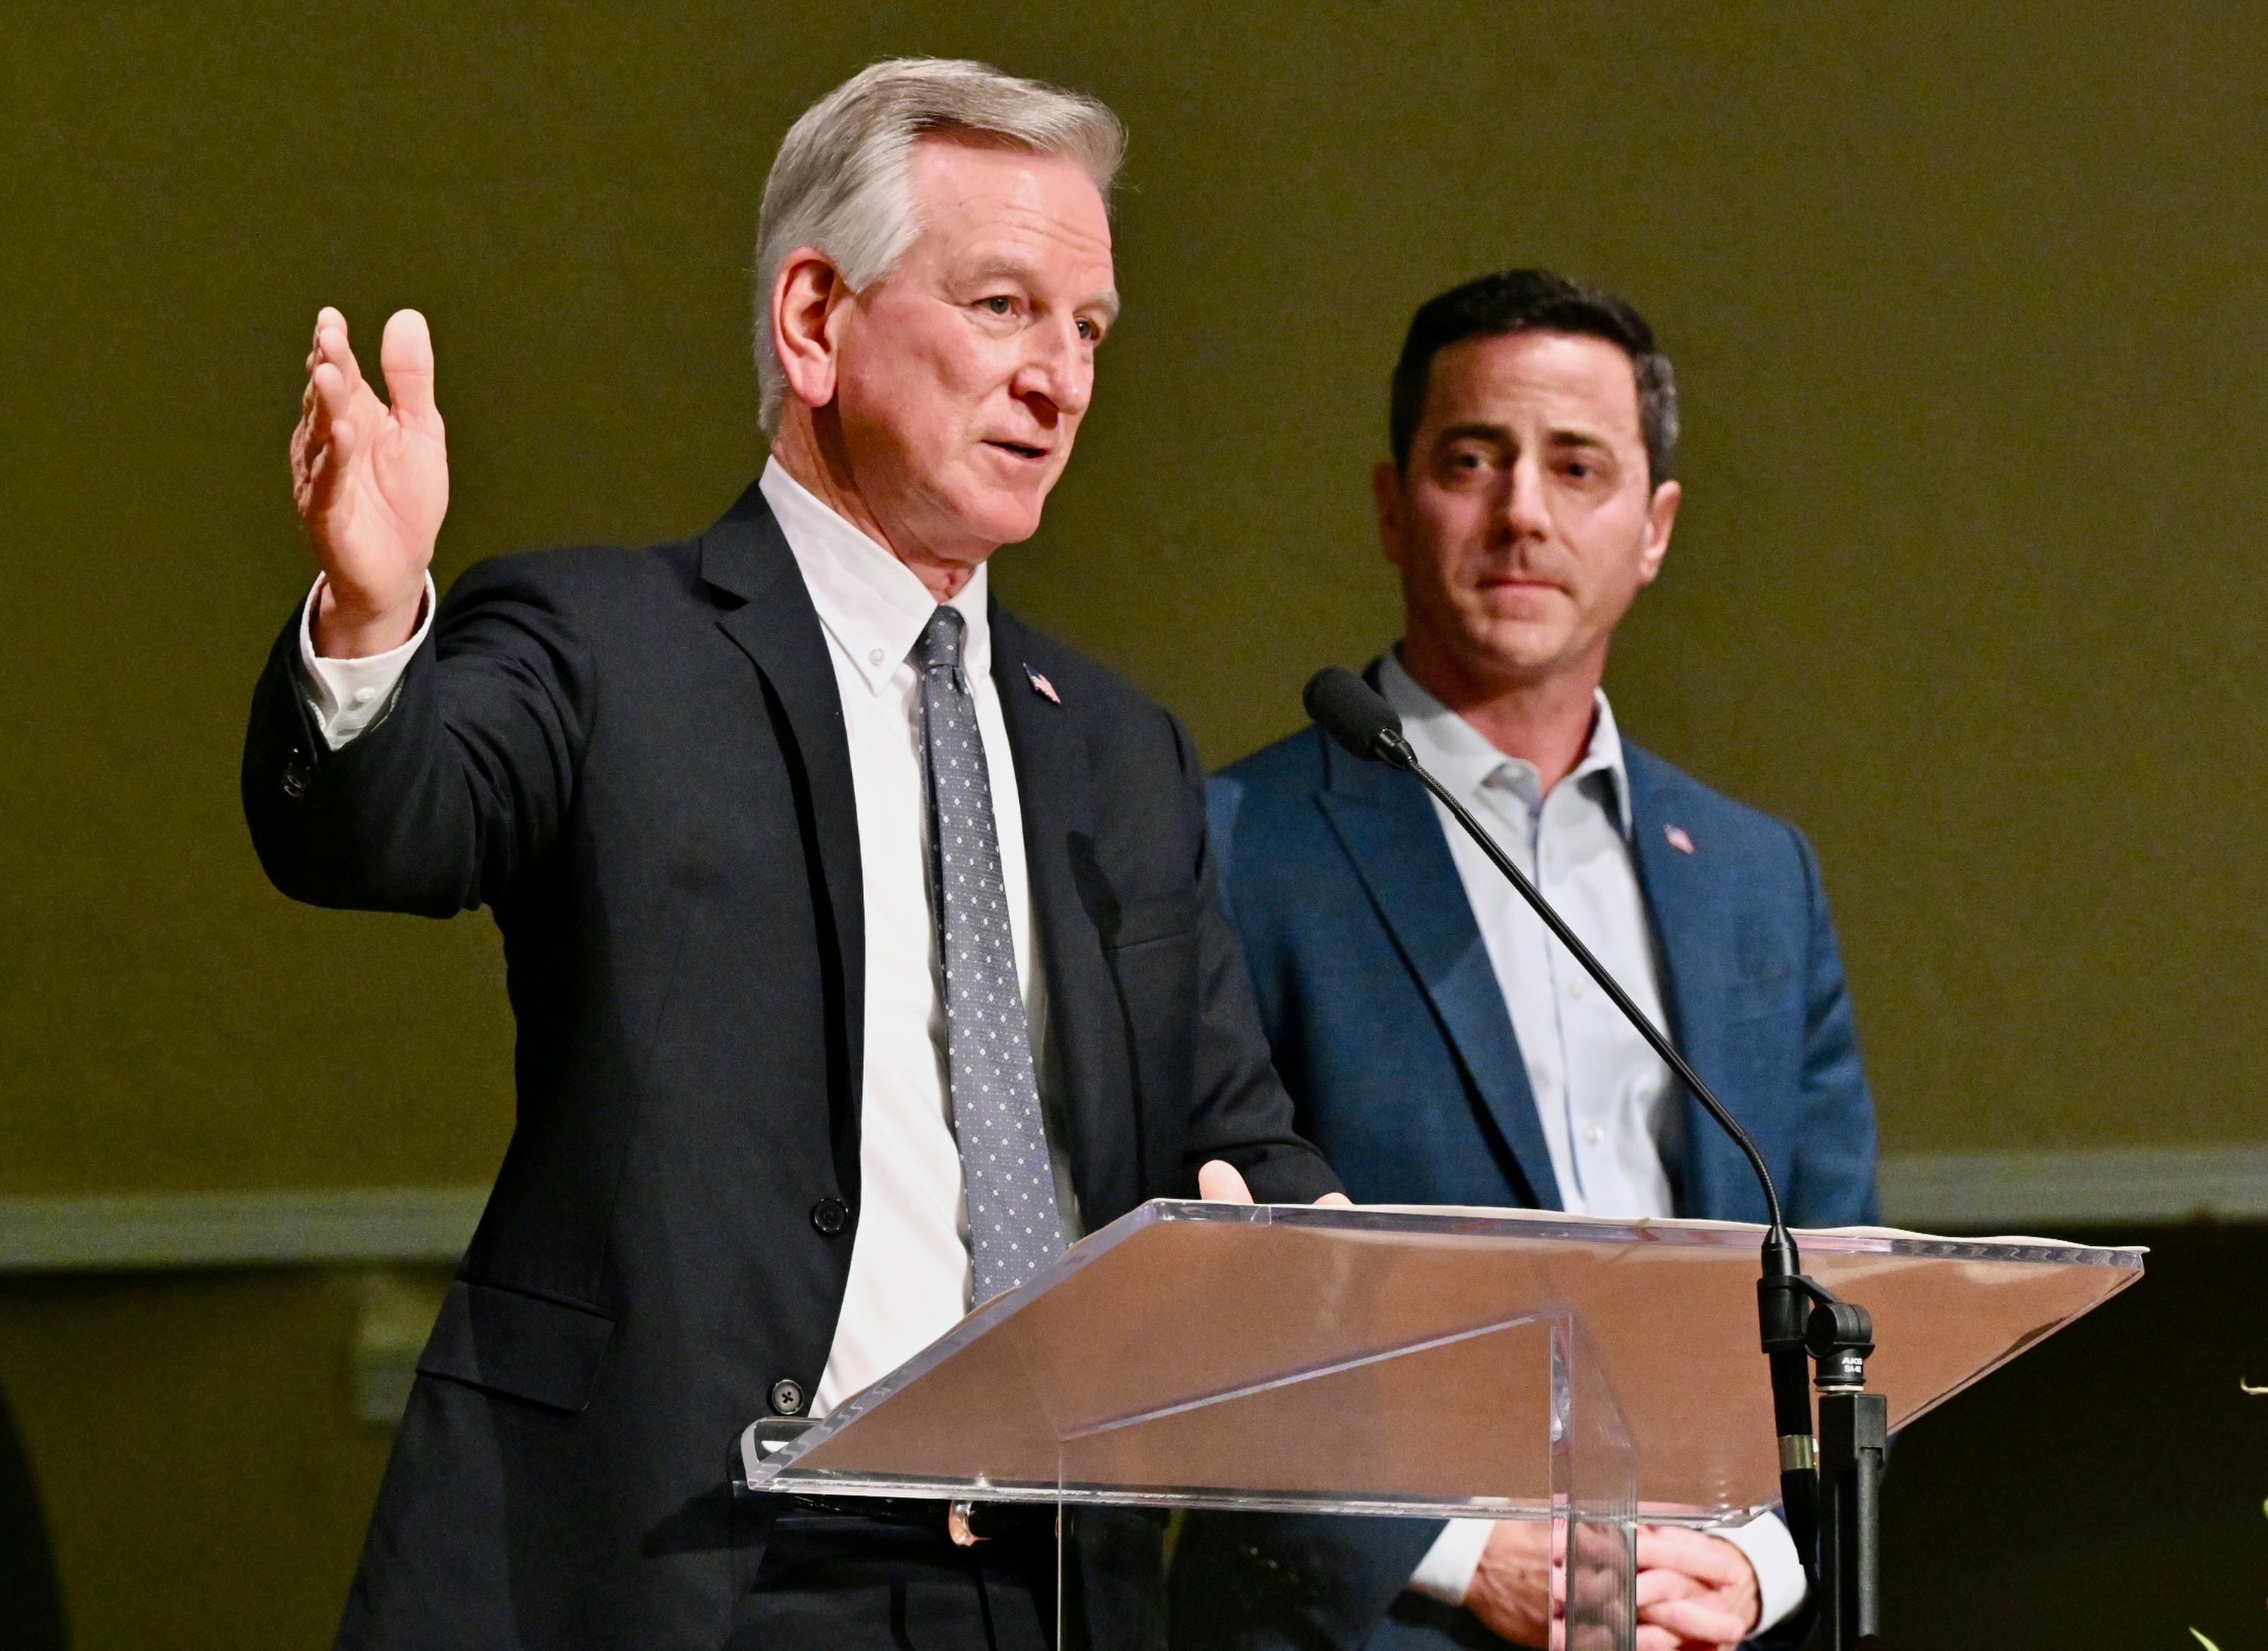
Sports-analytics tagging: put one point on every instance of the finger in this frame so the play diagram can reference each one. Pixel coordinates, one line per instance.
(1701, 1617)
(1219, 1182)
(303, 462)
(1336, 1200)
(303, 439)
(1693, 1552)
(1653, 1639)
(333, 390)
(1655, 1586)
(324, 317)
(1696, 1553)
(333, 345)
(406, 356)
(330, 413)
(307, 387)
(326, 439)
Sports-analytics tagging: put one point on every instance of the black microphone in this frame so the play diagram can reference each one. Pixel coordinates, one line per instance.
(1357, 717)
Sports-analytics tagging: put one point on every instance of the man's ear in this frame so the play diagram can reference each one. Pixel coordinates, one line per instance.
(1386, 494)
(1661, 517)
(807, 299)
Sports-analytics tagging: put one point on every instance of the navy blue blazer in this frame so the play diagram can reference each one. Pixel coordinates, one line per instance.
(1390, 1029)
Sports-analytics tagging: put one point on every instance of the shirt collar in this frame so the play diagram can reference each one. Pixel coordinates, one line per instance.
(872, 605)
(1461, 756)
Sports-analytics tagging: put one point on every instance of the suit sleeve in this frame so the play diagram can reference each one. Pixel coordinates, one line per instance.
(1241, 1112)
(1298, 1582)
(456, 794)
(1834, 1146)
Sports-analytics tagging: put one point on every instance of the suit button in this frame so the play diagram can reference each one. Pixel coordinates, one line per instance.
(295, 781)
(831, 1216)
(787, 1396)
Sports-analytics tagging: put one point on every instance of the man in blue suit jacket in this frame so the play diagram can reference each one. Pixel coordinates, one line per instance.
(1438, 1046)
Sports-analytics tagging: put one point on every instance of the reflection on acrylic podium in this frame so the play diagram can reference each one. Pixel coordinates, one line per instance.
(1421, 1363)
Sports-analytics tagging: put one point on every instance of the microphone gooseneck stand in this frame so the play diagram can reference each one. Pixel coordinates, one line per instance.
(1829, 1487)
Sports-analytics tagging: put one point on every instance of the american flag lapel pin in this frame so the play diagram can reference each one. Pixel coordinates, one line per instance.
(1678, 840)
(1041, 685)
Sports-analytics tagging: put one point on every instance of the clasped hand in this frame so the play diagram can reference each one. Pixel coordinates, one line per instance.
(1695, 1592)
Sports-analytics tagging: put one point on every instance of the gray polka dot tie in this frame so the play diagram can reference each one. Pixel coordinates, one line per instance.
(1013, 1227)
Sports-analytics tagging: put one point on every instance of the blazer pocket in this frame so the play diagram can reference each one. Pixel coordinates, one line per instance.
(1152, 917)
(507, 1341)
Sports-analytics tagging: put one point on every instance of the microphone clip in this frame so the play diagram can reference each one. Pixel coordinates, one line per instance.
(1830, 1468)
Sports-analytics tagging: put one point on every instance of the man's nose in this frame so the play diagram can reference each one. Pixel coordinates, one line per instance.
(1524, 513)
(1059, 370)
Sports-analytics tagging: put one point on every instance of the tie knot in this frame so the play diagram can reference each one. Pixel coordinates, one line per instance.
(939, 647)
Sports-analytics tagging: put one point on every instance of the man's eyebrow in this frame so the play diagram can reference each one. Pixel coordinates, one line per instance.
(1476, 429)
(1502, 436)
(1003, 268)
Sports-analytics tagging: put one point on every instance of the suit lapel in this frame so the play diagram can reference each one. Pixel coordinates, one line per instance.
(1055, 791)
(1674, 878)
(769, 615)
(1387, 825)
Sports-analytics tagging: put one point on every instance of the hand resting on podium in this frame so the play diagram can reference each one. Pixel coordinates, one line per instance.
(1220, 1182)
(1695, 1590)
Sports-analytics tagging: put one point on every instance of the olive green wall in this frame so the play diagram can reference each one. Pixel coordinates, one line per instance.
(1966, 307)
(1967, 316)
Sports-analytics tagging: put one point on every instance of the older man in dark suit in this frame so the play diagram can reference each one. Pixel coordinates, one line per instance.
(1440, 1045)
(863, 942)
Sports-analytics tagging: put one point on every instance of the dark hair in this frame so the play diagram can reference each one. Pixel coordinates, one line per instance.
(1534, 301)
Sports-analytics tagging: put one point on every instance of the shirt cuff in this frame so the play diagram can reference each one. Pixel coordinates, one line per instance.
(1781, 1585)
(1446, 1572)
(347, 695)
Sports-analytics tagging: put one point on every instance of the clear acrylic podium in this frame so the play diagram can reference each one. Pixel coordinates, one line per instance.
(1490, 1363)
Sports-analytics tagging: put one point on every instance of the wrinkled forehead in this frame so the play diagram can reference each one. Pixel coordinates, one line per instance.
(983, 201)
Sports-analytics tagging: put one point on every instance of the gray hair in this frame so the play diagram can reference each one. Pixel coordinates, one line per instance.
(840, 183)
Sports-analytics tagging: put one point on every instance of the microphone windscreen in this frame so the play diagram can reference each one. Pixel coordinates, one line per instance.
(1352, 712)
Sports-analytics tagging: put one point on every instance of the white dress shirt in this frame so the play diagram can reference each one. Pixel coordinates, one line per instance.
(909, 1262)
(909, 1259)
(1611, 1110)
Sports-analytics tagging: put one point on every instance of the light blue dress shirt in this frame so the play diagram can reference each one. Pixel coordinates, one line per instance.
(1611, 1112)
(1607, 1104)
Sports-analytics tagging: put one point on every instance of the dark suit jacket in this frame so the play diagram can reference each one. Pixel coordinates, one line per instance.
(638, 761)
(1390, 1030)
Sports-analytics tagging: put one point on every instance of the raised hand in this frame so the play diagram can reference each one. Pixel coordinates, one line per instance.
(371, 482)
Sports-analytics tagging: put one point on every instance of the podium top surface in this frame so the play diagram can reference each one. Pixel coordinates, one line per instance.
(1403, 1360)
